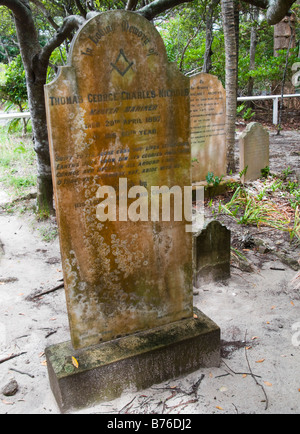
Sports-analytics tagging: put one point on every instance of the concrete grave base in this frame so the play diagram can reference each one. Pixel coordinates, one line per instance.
(133, 362)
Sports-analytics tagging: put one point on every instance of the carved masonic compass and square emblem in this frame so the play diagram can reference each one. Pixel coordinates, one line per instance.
(122, 65)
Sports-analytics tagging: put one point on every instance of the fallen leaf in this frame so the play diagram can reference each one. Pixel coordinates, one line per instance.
(219, 408)
(273, 307)
(195, 316)
(244, 375)
(254, 337)
(7, 403)
(268, 384)
(292, 303)
(44, 363)
(248, 348)
(268, 322)
(260, 361)
(75, 362)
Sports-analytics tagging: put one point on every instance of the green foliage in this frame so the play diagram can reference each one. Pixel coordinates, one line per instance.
(244, 112)
(265, 172)
(180, 25)
(17, 163)
(14, 89)
(213, 180)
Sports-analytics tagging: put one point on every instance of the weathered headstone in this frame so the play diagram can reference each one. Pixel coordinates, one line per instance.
(118, 120)
(254, 151)
(208, 119)
(211, 253)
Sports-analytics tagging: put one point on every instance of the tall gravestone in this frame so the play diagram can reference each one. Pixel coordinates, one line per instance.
(208, 121)
(118, 119)
(254, 146)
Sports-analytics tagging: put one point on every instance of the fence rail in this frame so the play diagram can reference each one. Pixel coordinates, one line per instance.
(275, 98)
(14, 115)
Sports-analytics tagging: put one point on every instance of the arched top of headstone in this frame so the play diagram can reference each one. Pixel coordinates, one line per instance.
(115, 46)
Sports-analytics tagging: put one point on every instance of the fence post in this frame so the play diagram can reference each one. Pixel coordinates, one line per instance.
(275, 110)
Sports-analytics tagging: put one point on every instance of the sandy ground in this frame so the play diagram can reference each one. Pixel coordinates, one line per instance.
(258, 312)
(263, 306)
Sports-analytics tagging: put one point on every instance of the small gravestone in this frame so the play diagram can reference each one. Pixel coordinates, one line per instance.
(211, 254)
(118, 119)
(208, 119)
(254, 151)
(1, 250)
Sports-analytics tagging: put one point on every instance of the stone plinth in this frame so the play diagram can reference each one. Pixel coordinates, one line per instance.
(133, 362)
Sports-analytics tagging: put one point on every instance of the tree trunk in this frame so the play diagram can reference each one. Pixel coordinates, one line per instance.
(41, 146)
(207, 65)
(231, 83)
(253, 44)
(36, 74)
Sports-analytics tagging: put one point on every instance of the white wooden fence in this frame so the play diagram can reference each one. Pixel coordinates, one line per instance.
(275, 98)
(14, 115)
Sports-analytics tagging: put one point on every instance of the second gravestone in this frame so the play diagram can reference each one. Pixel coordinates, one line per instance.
(208, 119)
(119, 126)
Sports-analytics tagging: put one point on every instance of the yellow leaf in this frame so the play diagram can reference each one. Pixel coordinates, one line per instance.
(75, 362)
(219, 408)
(254, 337)
(268, 384)
(260, 361)
(292, 303)
(244, 375)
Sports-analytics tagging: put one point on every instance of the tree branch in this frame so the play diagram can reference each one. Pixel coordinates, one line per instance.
(158, 7)
(131, 5)
(18, 7)
(188, 44)
(71, 23)
(276, 9)
(46, 13)
(81, 9)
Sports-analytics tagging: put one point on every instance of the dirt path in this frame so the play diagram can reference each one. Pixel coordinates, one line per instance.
(262, 307)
